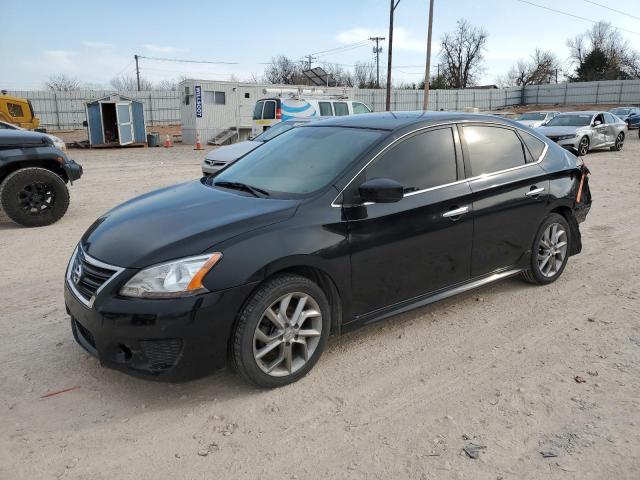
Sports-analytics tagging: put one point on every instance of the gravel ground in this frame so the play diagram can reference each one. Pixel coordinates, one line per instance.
(399, 399)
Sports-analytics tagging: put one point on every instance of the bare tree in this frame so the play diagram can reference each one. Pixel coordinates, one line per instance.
(539, 69)
(62, 83)
(602, 53)
(169, 85)
(462, 52)
(125, 83)
(364, 75)
(342, 76)
(282, 70)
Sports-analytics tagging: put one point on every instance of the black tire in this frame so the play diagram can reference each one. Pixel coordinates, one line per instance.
(34, 197)
(242, 340)
(583, 146)
(619, 143)
(534, 274)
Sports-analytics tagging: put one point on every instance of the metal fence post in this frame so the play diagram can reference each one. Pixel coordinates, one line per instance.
(55, 101)
(566, 87)
(437, 99)
(597, 91)
(538, 95)
(457, 99)
(150, 109)
(620, 93)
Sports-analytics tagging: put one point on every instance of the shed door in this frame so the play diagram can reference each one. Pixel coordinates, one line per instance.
(94, 124)
(125, 124)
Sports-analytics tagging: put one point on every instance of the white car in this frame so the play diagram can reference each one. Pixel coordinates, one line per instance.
(57, 141)
(536, 119)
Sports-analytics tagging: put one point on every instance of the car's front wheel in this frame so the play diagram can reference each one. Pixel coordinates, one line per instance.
(281, 331)
(550, 250)
(583, 146)
(34, 197)
(619, 142)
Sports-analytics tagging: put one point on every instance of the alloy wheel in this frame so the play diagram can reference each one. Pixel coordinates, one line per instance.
(584, 146)
(287, 334)
(552, 250)
(619, 141)
(36, 198)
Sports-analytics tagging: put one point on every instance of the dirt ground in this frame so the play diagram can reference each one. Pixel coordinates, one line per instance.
(396, 400)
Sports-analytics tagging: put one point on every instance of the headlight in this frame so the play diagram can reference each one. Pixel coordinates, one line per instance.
(566, 137)
(173, 279)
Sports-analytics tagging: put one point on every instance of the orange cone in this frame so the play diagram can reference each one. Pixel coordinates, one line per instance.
(198, 144)
(167, 142)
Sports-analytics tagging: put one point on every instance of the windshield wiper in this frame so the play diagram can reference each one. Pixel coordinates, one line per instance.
(255, 191)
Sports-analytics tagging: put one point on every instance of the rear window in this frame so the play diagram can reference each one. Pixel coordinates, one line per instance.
(340, 108)
(492, 149)
(325, 109)
(534, 145)
(360, 108)
(257, 111)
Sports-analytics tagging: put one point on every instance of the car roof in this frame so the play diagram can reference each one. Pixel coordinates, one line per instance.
(583, 112)
(397, 120)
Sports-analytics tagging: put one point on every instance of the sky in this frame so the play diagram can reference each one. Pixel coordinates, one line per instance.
(95, 41)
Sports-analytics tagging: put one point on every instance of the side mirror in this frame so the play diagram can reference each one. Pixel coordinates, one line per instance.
(597, 122)
(381, 190)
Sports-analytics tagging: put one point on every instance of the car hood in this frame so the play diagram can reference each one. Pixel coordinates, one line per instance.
(230, 153)
(557, 131)
(178, 221)
(531, 123)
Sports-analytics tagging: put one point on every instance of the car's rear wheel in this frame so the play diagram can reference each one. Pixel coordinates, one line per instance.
(34, 197)
(281, 332)
(619, 142)
(550, 250)
(583, 146)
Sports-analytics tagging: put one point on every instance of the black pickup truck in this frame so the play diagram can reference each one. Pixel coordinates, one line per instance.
(33, 178)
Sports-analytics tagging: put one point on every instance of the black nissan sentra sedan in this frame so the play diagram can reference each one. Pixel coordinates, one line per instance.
(327, 227)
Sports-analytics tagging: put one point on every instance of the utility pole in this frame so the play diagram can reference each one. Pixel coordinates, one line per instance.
(393, 6)
(427, 70)
(377, 49)
(310, 59)
(137, 71)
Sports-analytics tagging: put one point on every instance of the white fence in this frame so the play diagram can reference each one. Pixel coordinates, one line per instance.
(66, 110)
(62, 110)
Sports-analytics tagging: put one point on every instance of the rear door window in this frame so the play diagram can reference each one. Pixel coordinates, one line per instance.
(325, 109)
(269, 112)
(422, 161)
(534, 145)
(492, 149)
(341, 108)
(257, 111)
(609, 118)
(360, 108)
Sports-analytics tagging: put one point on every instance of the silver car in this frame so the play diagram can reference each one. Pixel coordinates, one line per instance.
(219, 158)
(536, 119)
(584, 131)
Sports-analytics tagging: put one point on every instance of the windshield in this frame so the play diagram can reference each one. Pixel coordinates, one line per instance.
(570, 121)
(300, 161)
(274, 131)
(532, 116)
(621, 111)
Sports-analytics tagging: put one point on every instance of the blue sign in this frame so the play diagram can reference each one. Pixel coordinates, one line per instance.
(198, 91)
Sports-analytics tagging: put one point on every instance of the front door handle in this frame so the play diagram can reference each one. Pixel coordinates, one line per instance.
(534, 192)
(456, 212)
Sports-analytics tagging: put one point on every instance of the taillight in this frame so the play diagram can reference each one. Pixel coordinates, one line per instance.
(278, 114)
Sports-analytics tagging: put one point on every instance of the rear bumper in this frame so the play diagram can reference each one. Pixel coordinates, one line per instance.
(170, 340)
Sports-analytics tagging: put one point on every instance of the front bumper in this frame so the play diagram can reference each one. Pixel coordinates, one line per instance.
(169, 339)
(73, 170)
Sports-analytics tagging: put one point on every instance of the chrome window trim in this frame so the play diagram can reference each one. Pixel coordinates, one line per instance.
(97, 263)
(453, 124)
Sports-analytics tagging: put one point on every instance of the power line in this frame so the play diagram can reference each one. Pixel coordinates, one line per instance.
(612, 9)
(358, 43)
(574, 16)
(180, 60)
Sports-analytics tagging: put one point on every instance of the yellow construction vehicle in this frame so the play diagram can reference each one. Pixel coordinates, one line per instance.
(18, 111)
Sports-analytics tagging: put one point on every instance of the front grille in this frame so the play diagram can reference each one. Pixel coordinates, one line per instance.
(86, 275)
(162, 354)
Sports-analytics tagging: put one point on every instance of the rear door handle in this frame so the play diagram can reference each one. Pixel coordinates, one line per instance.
(534, 192)
(456, 212)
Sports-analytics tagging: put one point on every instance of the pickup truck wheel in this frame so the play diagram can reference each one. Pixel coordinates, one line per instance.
(34, 197)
